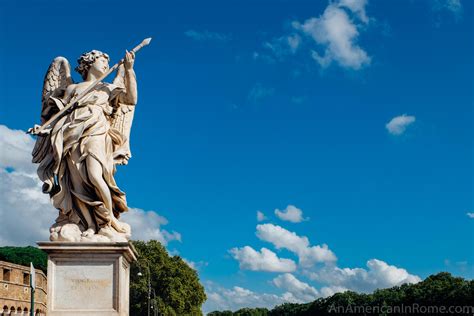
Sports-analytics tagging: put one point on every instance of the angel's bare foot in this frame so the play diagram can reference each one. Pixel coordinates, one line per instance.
(88, 233)
(119, 226)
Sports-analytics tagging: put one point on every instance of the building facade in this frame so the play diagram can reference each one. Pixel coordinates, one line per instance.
(15, 290)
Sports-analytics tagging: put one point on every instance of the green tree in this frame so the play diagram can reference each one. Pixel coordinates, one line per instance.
(175, 287)
(251, 312)
(222, 313)
(441, 289)
(25, 255)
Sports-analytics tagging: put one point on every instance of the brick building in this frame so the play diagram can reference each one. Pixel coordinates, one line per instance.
(15, 290)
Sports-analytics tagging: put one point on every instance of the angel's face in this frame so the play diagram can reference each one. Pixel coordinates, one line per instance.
(100, 66)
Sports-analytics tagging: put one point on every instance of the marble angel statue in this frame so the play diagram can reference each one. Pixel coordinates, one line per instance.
(84, 134)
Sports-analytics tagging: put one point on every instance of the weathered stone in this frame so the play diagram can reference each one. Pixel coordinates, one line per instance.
(88, 278)
(15, 291)
(85, 134)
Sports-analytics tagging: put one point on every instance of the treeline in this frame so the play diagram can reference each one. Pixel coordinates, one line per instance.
(437, 294)
(25, 255)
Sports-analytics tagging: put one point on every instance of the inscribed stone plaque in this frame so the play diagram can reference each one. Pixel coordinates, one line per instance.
(86, 287)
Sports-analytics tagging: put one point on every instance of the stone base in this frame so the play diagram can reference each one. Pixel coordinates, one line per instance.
(88, 278)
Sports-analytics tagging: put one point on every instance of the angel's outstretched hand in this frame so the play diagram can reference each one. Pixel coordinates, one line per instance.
(129, 60)
(35, 130)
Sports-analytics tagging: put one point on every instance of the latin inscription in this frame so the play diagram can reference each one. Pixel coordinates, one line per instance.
(89, 284)
(84, 287)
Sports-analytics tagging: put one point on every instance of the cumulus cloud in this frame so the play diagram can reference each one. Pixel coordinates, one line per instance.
(16, 150)
(282, 238)
(21, 199)
(146, 225)
(357, 7)
(329, 38)
(470, 215)
(261, 216)
(336, 33)
(207, 36)
(26, 213)
(399, 124)
(291, 214)
(296, 290)
(265, 260)
(219, 298)
(331, 290)
(195, 265)
(378, 275)
(331, 278)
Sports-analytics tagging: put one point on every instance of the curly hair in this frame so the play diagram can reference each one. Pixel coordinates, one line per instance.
(86, 60)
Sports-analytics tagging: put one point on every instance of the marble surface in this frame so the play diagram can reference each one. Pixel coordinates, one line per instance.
(88, 278)
(84, 134)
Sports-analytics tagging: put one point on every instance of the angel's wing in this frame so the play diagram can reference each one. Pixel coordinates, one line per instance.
(122, 119)
(56, 80)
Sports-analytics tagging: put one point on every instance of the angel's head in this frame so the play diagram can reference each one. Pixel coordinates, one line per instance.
(94, 61)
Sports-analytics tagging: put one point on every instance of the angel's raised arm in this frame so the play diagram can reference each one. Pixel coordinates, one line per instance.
(126, 79)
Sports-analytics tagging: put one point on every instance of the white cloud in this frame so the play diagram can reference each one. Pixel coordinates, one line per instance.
(331, 290)
(332, 279)
(291, 214)
(26, 213)
(219, 298)
(193, 264)
(265, 260)
(337, 34)
(470, 215)
(261, 216)
(207, 36)
(356, 6)
(146, 225)
(378, 275)
(22, 200)
(16, 150)
(296, 291)
(398, 124)
(330, 38)
(282, 238)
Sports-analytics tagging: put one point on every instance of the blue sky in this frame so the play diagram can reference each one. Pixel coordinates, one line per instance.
(249, 106)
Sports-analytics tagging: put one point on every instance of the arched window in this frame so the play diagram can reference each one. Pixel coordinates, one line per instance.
(25, 311)
(18, 310)
(5, 309)
(12, 310)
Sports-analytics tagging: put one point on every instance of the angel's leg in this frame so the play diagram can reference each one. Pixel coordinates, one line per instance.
(95, 170)
(77, 185)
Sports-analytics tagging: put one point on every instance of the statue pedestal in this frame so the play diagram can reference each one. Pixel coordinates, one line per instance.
(88, 278)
